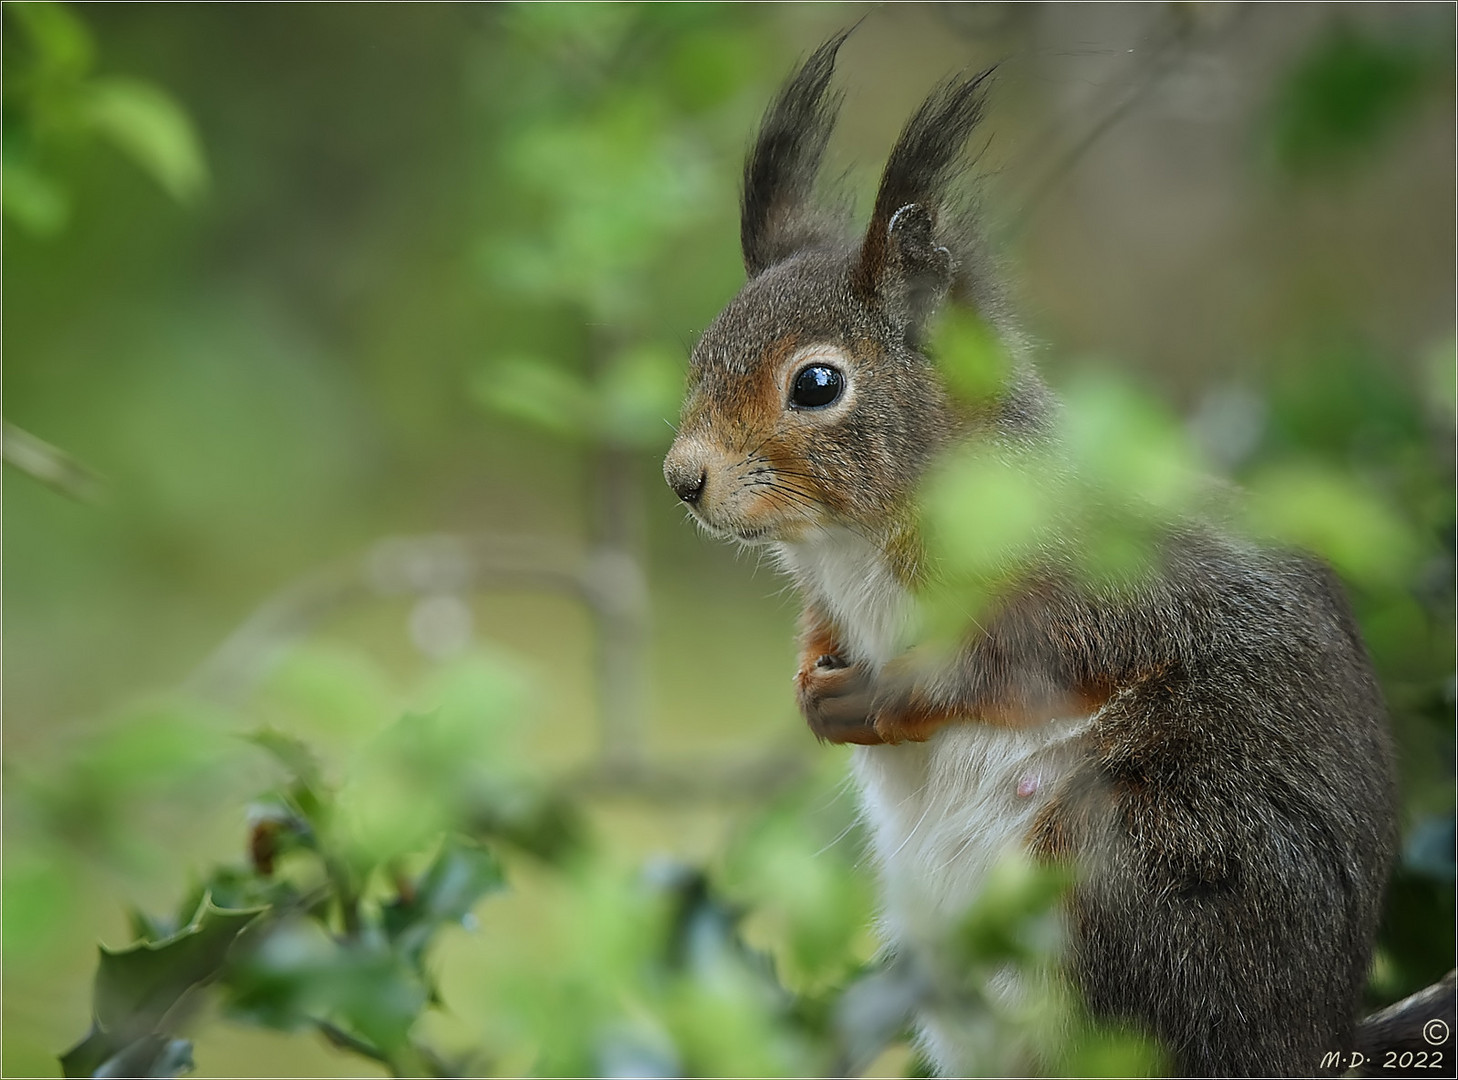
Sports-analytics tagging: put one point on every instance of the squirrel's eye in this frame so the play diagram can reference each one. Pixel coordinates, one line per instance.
(816, 386)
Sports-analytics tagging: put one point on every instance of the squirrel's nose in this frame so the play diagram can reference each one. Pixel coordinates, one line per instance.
(689, 484)
(685, 470)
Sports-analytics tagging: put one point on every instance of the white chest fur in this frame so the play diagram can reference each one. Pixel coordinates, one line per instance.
(848, 576)
(941, 815)
(943, 812)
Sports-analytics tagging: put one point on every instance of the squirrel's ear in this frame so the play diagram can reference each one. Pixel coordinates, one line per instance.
(776, 218)
(916, 271)
(901, 267)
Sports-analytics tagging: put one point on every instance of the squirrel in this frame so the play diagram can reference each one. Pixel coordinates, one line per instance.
(1208, 748)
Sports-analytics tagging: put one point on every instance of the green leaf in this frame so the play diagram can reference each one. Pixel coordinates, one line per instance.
(147, 125)
(149, 1056)
(297, 975)
(308, 796)
(378, 996)
(1010, 919)
(971, 356)
(276, 983)
(63, 45)
(137, 990)
(1323, 511)
(333, 689)
(540, 394)
(293, 754)
(1349, 90)
(32, 199)
(982, 514)
(639, 390)
(1129, 443)
(137, 986)
(1098, 1052)
(462, 873)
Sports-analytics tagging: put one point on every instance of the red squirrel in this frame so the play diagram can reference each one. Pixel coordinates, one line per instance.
(1207, 747)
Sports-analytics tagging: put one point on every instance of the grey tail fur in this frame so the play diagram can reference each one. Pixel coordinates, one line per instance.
(1409, 1027)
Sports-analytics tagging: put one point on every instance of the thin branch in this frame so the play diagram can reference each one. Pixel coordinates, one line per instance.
(394, 567)
(620, 611)
(1177, 46)
(50, 465)
(756, 779)
(608, 583)
(343, 1040)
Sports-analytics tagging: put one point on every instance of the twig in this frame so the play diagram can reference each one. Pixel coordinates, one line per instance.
(50, 465)
(403, 566)
(609, 584)
(1176, 47)
(343, 1040)
(692, 781)
(620, 593)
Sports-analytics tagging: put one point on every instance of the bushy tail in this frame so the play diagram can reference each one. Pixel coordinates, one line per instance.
(1420, 1024)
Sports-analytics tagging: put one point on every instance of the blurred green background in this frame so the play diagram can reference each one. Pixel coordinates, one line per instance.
(351, 333)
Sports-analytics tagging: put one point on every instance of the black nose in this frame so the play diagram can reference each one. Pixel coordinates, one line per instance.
(688, 486)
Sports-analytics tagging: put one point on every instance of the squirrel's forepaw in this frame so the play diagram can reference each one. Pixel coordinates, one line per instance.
(835, 700)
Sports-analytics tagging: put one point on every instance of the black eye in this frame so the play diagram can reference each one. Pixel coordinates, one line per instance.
(816, 386)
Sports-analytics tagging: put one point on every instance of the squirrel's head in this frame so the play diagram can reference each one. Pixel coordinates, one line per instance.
(811, 402)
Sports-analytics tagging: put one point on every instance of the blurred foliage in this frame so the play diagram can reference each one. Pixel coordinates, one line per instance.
(606, 174)
(335, 921)
(55, 103)
(419, 226)
(1350, 89)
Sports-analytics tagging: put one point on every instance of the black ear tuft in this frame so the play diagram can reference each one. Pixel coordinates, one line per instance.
(901, 266)
(779, 174)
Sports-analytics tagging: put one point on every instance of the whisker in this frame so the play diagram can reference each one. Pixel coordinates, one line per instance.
(791, 472)
(803, 497)
(912, 832)
(843, 834)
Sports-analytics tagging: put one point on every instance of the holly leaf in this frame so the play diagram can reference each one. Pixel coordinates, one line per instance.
(141, 984)
(461, 874)
(876, 1010)
(308, 792)
(149, 1056)
(295, 975)
(138, 991)
(292, 753)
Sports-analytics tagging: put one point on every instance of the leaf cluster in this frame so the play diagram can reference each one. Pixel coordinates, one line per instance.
(56, 104)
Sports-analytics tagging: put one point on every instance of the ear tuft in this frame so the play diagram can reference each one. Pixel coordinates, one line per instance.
(776, 218)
